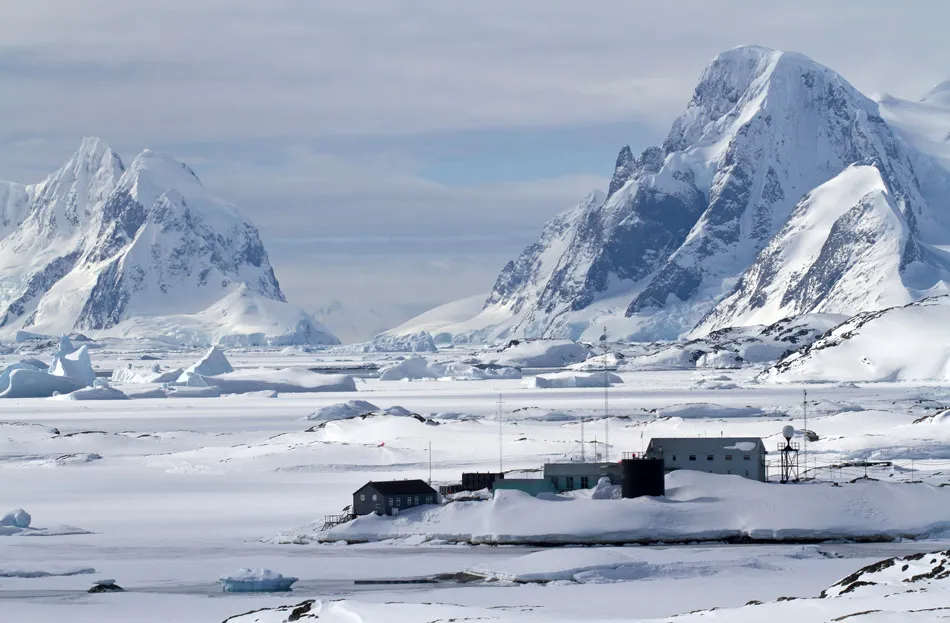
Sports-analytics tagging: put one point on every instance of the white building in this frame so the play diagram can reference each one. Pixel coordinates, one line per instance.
(742, 456)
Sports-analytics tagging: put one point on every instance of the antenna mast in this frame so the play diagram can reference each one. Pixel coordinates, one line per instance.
(430, 462)
(501, 462)
(606, 411)
(805, 415)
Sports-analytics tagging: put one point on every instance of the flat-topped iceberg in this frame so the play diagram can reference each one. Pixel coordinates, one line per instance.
(256, 581)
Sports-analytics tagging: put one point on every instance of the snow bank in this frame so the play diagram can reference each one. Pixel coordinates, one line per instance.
(102, 392)
(573, 379)
(212, 364)
(542, 354)
(697, 507)
(343, 411)
(286, 381)
(256, 581)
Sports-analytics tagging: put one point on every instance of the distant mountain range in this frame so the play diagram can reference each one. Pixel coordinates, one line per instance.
(781, 190)
(138, 251)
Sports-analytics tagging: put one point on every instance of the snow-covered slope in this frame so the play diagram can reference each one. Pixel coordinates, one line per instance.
(845, 249)
(681, 223)
(106, 249)
(441, 321)
(909, 343)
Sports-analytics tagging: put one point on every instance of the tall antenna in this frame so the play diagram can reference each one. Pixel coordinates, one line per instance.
(583, 458)
(805, 426)
(603, 339)
(430, 462)
(501, 462)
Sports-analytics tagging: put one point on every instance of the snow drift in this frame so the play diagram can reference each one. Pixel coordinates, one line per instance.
(697, 507)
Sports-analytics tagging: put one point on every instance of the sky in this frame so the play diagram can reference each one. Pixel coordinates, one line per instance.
(395, 155)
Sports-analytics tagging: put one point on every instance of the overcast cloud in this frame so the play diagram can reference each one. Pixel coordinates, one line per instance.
(397, 153)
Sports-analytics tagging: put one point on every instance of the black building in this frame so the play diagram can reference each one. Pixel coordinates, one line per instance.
(476, 481)
(390, 496)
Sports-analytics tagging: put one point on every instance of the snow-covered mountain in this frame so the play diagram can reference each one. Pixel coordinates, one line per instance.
(142, 250)
(780, 190)
(907, 343)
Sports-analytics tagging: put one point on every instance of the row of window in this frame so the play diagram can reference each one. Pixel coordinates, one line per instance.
(398, 500)
(712, 457)
(569, 482)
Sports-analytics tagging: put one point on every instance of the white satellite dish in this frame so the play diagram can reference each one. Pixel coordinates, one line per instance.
(788, 432)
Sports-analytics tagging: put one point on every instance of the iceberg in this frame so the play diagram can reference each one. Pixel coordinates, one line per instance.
(212, 364)
(286, 381)
(573, 379)
(256, 581)
(73, 364)
(31, 383)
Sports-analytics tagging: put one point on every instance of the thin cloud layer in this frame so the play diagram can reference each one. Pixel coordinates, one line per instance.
(381, 118)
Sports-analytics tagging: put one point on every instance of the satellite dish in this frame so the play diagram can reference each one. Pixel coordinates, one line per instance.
(788, 432)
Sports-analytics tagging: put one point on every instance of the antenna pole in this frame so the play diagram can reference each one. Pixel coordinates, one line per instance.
(501, 462)
(805, 414)
(583, 458)
(606, 411)
(430, 462)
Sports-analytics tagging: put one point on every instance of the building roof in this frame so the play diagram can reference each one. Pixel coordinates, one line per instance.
(400, 487)
(708, 443)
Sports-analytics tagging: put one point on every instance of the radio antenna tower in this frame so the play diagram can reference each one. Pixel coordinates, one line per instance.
(501, 445)
(805, 431)
(603, 343)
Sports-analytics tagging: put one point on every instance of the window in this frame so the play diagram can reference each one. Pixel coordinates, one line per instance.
(692, 457)
(428, 499)
(377, 508)
(417, 500)
(390, 501)
(570, 482)
(746, 457)
(728, 457)
(585, 482)
(362, 497)
(674, 458)
(399, 501)
(374, 497)
(709, 457)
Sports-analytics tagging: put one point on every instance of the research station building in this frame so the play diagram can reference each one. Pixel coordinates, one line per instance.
(741, 456)
(389, 497)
